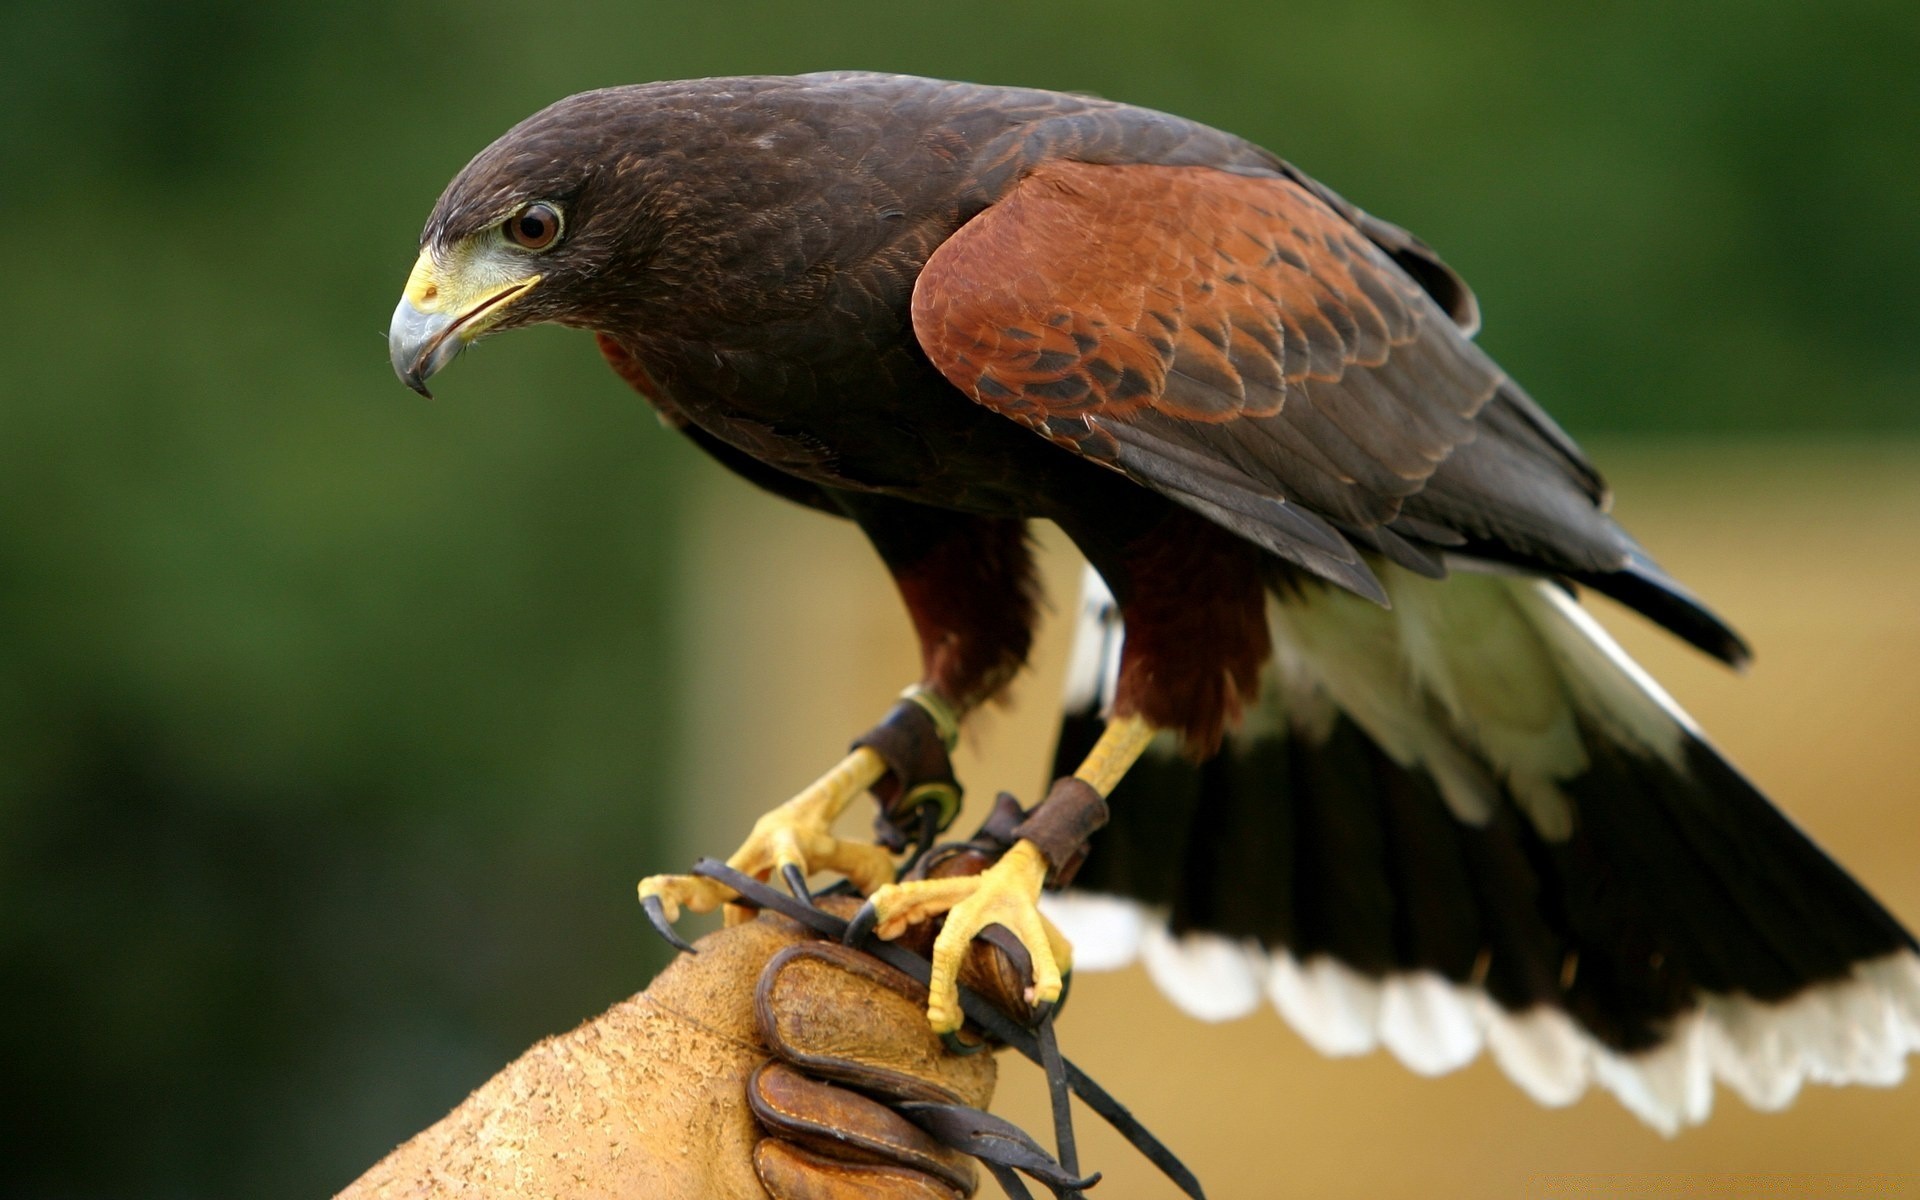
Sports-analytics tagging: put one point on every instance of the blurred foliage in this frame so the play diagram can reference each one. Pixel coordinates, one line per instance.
(333, 724)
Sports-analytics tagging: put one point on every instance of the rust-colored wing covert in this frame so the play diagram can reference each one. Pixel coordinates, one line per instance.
(1227, 339)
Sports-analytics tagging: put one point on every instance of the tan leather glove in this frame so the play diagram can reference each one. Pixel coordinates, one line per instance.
(673, 1092)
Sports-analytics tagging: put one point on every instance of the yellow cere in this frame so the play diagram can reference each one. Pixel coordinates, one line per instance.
(467, 279)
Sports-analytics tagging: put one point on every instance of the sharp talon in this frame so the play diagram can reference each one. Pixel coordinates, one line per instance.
(958, 1045)
(1043, 1011)
(860, 929)
(657, 917)
(796, 883)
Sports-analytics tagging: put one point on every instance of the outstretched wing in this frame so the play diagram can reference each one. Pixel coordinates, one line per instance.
(1236, 343)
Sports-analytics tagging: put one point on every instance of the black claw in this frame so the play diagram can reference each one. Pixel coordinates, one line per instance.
(1042, 1009)
(860, 929)
(796, 883)
(657, 917)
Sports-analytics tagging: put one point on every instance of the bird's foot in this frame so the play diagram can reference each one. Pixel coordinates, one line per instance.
(1006, 894)
(794, 840)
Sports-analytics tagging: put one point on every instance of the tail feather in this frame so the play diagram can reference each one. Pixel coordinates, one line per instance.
(1472, 823)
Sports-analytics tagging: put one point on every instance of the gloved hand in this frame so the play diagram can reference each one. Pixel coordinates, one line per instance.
(720, 1081)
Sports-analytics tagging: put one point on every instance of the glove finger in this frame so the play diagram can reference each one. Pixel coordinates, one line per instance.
(839, 1014)
(841, 1124)
(790, 1172)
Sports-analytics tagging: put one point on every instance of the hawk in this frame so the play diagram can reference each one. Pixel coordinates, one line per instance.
(1364, 751)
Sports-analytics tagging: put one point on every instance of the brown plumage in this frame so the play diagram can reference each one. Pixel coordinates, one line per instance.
(944, 310)
(803, 272)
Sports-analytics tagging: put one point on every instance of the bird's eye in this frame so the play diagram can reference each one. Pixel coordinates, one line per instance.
(534, 227)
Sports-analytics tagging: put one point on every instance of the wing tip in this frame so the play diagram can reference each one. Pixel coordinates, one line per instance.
(1643, 586)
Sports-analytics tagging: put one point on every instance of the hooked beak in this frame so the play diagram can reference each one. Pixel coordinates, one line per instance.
(439, 315)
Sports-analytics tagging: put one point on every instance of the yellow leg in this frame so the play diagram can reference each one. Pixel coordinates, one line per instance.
(796, 834)
(1007, 893)
(1121, 744)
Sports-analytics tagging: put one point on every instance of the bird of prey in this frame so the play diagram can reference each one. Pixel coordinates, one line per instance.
(1365, 753)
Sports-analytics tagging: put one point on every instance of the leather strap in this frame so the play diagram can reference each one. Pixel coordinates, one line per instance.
(995, 1136)
(914, 743)
(1059, 828)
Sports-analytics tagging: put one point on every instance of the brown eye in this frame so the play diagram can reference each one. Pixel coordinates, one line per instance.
(534, 227)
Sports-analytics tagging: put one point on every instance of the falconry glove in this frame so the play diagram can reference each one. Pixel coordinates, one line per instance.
(765, 1065)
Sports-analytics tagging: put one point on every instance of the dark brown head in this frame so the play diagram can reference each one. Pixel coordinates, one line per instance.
(543, 225)
(629, 208)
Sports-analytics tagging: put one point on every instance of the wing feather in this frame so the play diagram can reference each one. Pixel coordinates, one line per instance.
(1240, 343)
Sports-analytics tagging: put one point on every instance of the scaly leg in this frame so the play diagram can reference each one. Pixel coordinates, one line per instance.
(1007, 894)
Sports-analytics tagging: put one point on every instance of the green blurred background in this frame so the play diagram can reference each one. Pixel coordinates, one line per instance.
(335, 725)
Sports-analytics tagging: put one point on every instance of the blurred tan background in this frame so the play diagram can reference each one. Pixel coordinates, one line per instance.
(1812, 548)
(336, 725)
